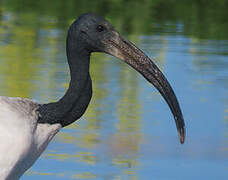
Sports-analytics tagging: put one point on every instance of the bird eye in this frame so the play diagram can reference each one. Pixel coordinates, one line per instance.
(100, 28)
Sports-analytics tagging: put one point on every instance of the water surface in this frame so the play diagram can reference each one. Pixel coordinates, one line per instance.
(128, 131)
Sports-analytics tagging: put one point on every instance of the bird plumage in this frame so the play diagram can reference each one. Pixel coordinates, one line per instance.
(22, 139)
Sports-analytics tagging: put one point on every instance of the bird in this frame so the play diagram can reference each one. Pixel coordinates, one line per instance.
(26, 126)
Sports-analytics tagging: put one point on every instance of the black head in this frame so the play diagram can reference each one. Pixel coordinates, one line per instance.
(93, 33)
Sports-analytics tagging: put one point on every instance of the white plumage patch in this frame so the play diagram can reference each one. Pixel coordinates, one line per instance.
(22, 139)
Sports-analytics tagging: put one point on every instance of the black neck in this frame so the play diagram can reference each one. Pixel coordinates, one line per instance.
(76, 99)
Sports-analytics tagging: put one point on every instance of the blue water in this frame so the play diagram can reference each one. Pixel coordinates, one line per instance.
(128, 131)
(145, 144)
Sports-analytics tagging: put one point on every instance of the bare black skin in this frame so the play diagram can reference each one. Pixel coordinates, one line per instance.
(92, 33)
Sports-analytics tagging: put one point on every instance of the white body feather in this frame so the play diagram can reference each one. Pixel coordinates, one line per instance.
(22, 139)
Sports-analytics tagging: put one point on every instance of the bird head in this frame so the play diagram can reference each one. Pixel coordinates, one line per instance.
(95, 34)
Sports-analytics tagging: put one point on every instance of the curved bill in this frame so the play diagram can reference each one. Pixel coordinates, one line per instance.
(128, 52)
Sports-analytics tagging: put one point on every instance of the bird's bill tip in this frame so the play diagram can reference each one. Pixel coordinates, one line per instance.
(181, 134)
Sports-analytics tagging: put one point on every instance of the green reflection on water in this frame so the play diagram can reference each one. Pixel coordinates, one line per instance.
(32, 41)
(32, 173)
(18, 63)
(84, 157)
(201, 19)
(85, 175)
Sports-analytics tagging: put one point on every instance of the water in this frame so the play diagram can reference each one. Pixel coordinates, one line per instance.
(128, 131)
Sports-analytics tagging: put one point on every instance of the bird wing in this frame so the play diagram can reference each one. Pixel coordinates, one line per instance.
(22, 139)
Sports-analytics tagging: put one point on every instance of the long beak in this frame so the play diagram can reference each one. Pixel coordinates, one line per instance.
(128, 52)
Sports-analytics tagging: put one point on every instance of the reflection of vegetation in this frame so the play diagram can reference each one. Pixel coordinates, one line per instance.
(125, 143)
(0, 12)
(17, 56)
(202, 18)
(226, 117)
(84, 157)
(84, 175)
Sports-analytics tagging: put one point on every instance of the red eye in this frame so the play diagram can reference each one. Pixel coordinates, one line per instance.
(100, 28)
